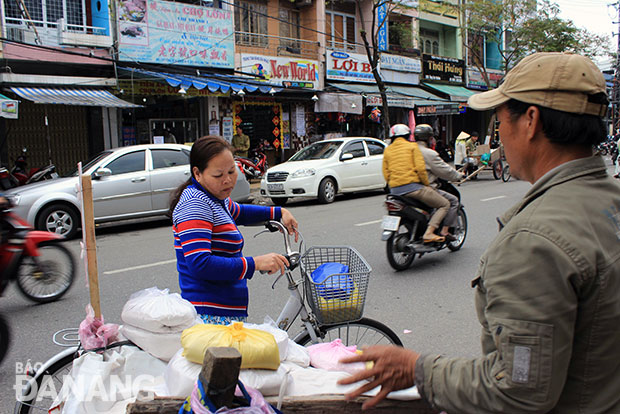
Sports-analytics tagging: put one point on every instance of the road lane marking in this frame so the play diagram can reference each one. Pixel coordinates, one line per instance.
(493, 198)
(368, 223)
(128, 269)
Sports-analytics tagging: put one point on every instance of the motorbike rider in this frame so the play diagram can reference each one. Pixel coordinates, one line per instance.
(405, 172)
(436, 168)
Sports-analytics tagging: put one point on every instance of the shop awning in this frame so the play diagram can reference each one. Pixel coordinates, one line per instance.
(67, 96)
(404, 94)
(213, 82)
(456, 93)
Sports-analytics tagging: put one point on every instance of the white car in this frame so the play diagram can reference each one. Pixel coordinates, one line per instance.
(326, 168)
(128, 182)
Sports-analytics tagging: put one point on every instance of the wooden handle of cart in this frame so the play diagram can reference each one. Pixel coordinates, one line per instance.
(91, 244)
(471, 175)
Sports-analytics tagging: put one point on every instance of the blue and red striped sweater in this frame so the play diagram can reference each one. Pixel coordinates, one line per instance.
(213, 273)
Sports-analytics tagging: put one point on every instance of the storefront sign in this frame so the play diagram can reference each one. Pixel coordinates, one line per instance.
(227, 128)
(348, 66)
(430, 110)
(400, 63)
(382, 35)
(375, 100)
(475, 79)
(146, 88)
(8, 108)
(300, 120)
(282, 71)
(443, 69)
(175, 33)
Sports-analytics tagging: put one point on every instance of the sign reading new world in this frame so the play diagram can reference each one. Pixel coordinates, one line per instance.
(175, 33)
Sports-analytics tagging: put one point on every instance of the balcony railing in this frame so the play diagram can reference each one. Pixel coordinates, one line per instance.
(277, 45)
(56, 33)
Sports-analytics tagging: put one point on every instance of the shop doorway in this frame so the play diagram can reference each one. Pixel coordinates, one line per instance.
(177, 130)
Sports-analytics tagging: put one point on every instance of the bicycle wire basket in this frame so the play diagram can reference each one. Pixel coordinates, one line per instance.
(340, 297)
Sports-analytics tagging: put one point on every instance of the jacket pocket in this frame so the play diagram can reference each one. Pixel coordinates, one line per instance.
(526, 350)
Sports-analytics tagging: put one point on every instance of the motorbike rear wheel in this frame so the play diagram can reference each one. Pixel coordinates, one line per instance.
(459, 231)
(398, 257)
(49, 276)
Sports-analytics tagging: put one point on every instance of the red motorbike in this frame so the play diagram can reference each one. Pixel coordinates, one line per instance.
(254, 167)
(43, 268)
(21, 175)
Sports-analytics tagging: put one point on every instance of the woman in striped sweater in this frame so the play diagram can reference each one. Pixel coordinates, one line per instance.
(213, 272)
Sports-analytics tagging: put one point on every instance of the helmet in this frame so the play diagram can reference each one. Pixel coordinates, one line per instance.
(399, 130)
(423, 132)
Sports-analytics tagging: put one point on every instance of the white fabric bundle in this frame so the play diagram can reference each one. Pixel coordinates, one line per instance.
(157, 310)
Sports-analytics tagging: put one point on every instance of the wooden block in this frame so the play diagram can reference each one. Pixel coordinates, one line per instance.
(219, 374)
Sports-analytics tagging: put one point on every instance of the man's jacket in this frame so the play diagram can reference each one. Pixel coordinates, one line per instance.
(403, 164)
(548, 299)
(436, 167)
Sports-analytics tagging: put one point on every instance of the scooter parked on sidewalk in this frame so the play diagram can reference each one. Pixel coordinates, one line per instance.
(21, 175)
(254, 167)
(43, 268)
(406, 222)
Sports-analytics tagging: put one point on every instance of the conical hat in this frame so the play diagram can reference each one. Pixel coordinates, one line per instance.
(463, 135)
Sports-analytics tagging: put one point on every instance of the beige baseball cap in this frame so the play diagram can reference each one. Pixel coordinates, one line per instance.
(560, 81)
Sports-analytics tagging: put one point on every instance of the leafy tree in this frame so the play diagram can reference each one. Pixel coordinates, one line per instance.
(520, 28)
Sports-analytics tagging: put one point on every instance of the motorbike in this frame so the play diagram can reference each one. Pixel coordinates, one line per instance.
(41, 265)
(21, 175)
(254, 167)
(406, 222)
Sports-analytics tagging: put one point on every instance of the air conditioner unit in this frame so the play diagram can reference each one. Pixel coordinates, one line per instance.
(15, 33)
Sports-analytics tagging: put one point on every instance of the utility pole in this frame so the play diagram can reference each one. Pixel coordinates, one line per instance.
(615, 92)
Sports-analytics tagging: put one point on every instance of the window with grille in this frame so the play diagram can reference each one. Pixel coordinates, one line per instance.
(46, 13)
(251, 23)
(430, 41)
(290, 30)
(340, 29)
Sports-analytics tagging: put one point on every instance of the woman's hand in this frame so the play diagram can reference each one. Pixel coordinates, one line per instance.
(290, 223)
(271, 263)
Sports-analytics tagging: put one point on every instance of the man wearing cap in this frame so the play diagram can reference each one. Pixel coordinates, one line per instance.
(548, 289)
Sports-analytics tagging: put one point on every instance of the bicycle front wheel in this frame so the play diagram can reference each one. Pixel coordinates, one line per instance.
(364, 332)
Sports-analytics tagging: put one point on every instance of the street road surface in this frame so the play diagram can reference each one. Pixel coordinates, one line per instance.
(433, 299)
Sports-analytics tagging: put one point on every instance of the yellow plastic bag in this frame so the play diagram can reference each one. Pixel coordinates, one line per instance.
(258, 348)
(337, 310)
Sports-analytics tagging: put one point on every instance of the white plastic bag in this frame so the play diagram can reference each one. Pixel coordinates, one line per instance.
(161, 345)
(297, 354)
(106, 383)
(181, 374)
(158, 311)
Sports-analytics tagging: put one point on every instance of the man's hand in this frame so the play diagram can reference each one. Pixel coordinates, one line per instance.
(393, 370)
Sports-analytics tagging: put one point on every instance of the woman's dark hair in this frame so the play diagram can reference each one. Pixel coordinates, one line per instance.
(565, 128)
(203, 150)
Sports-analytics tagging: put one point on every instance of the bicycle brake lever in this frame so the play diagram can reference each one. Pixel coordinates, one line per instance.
(261, 232)
(273, 286)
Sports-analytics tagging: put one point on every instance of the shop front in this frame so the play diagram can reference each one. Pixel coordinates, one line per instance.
(445, 77)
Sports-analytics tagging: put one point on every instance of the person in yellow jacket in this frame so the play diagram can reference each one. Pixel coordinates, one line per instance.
(405, 172)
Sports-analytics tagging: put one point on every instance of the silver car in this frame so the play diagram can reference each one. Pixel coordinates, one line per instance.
(128, 182)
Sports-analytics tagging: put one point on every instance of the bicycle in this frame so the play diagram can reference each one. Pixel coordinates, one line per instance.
(332, 310)
(506, 173)
(325, 312)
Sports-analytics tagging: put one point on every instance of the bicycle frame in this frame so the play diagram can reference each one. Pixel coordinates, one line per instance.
(295, 306)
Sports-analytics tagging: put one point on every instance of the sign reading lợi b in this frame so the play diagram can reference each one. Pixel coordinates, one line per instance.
(282, 71)
(175, 33)
(348, 67)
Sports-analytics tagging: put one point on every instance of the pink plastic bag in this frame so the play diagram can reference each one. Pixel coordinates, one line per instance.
(327, 356)
(94, 333)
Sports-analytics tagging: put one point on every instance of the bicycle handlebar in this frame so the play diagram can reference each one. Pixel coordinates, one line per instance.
(292, 257)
